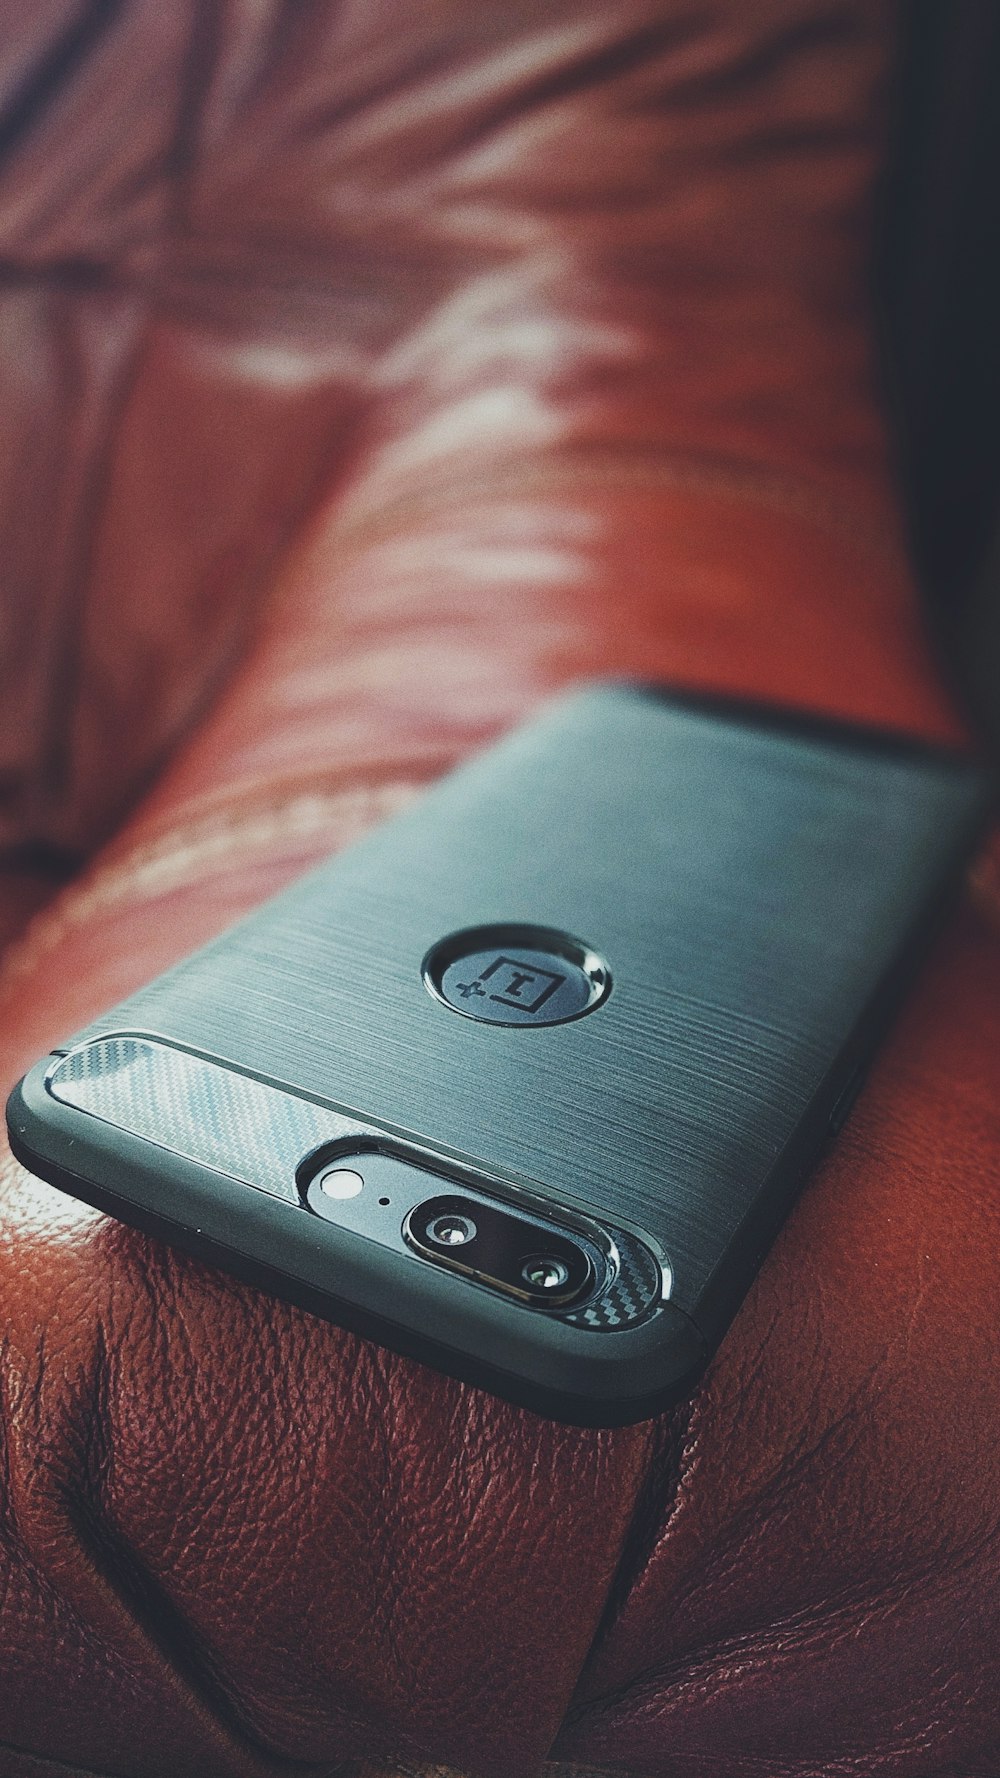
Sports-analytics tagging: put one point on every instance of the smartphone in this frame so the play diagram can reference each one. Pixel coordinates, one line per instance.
(524, 1083)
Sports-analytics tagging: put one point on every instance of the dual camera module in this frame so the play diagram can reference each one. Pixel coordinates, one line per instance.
(543, 1271)
(547, 1273)
(501, 1247)
(509, 1250)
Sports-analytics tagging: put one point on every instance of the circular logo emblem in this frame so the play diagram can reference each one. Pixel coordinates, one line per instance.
(516, 975)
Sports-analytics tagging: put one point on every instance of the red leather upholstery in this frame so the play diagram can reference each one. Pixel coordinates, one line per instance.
(554, 319)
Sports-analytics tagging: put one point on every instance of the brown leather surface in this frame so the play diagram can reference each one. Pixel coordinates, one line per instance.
(583, 289)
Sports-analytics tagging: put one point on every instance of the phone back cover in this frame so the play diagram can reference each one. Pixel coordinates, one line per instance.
(753, 886)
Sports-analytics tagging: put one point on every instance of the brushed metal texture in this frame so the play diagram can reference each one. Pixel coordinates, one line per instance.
(752, 885)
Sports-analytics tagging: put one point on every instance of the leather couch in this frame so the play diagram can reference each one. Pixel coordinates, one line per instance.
(370, 370)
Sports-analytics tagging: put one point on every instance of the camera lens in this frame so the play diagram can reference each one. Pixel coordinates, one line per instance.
(452, 1230)
(544, 1272)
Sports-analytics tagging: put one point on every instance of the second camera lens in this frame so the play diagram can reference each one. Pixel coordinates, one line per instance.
(545, 1272)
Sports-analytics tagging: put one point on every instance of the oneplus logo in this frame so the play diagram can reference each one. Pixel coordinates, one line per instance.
(524, 986)
(509, 974)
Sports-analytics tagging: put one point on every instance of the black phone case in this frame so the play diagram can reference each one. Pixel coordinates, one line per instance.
(759, 885)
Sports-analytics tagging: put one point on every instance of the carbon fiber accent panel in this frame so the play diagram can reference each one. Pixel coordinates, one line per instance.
(252, 1132)
(260, 1134)
(629, 1296)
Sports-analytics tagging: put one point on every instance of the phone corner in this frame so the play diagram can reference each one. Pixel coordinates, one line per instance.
(647, 1372)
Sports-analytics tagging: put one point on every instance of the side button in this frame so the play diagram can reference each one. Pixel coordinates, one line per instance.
(841, 1111)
